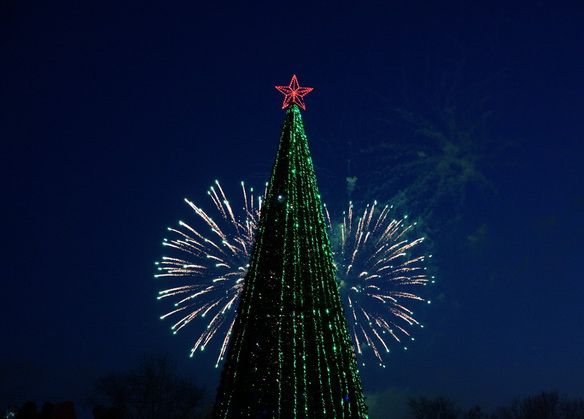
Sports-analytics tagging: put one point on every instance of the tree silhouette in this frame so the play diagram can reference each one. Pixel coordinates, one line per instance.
(151, 391)
(547, 405)
(440, 408)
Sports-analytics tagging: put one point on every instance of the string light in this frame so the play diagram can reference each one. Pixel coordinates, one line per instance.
(293, 93)
(290, 353)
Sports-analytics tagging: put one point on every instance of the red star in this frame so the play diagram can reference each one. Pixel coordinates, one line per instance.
(293, 93)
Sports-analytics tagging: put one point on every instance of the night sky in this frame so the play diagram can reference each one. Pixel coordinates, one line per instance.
(112, 113)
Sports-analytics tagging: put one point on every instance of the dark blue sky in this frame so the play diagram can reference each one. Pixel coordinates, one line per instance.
(112, 113)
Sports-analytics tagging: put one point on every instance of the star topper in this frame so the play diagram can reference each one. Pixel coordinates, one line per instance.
(293, 93)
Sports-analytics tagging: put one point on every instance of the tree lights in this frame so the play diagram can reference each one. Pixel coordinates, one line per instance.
(293, 93)
(290, 353)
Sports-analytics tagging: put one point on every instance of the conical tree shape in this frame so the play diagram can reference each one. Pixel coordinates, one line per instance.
(290, 354)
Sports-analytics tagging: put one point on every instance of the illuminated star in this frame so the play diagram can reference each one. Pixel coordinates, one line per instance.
(293, 93)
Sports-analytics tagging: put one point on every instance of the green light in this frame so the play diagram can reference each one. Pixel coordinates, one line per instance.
(290, 315)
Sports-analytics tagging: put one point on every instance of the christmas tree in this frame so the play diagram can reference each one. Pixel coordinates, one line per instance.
(290, 353)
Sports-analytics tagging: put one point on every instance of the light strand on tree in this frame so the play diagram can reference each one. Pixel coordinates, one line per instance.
(291, 354)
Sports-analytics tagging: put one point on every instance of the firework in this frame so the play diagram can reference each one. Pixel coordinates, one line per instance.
(208, 265)
(381, 270)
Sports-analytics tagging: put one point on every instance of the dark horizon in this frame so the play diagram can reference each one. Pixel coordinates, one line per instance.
(113, 113)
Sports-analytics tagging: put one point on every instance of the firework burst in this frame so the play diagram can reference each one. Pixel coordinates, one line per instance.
(208, 265)
(381, 270)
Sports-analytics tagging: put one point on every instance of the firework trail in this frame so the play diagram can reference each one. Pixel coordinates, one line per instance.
(209, 264)
(380, 271)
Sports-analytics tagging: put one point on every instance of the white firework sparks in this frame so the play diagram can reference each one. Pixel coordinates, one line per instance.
(381, 271)
(208, 266)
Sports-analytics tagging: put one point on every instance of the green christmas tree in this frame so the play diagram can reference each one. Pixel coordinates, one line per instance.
(290, 354)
